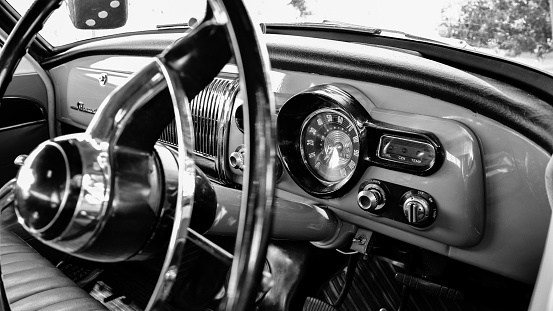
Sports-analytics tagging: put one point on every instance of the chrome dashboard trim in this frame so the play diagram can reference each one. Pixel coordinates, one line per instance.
(228, 91)
(211, 114)
(103, 79)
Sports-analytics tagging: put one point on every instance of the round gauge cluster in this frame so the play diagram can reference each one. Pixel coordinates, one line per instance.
(330, 145)
(321, 137)
(327, 139)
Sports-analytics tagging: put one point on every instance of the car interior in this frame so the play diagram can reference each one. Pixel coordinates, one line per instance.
(229, 165)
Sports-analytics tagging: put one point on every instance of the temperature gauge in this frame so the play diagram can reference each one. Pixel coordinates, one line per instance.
(406, 151)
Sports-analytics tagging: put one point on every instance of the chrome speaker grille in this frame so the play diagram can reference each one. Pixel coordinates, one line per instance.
(211, 114)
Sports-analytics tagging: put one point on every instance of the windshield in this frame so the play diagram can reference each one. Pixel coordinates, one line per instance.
(516, 29)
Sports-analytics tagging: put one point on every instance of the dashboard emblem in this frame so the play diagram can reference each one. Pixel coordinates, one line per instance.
(103, 79)
(81, 107)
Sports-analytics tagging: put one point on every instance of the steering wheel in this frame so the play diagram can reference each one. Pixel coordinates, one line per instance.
(114, 195)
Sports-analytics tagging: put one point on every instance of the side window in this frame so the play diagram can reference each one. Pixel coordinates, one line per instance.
(24, 67)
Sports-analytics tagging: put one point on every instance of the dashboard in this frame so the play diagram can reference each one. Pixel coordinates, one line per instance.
(371, 153)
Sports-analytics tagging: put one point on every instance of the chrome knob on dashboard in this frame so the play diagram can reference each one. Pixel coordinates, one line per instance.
(20, 160)
(419, 208)
(236, 158)
(371, 197)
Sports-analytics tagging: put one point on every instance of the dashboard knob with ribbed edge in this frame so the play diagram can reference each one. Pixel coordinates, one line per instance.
(419, 208)
(371, 197)
(236, 158)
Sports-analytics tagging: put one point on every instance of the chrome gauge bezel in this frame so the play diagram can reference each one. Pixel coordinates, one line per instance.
(293, 116)
(306, 122)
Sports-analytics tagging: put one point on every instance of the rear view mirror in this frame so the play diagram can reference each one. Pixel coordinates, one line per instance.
(98, 14)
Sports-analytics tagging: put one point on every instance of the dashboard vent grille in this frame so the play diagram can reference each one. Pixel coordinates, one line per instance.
(210, 114)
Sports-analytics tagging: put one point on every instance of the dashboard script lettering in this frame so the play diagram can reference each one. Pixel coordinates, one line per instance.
(81, 107)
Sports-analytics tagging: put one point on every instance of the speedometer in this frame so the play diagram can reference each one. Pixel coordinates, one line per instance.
(329, 145)
(327, 139)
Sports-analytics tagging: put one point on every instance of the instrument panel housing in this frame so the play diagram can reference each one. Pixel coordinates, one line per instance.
(511, 196)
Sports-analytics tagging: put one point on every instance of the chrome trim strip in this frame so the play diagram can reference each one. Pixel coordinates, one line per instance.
(13, 127)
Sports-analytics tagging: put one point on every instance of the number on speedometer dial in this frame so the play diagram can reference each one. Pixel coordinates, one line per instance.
(330, 145)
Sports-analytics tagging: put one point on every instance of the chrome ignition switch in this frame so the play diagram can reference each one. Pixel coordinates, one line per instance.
(419, 208)
(372, 196)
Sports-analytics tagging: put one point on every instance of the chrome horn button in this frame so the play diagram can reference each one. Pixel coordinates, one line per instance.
(68, 197)
(45, 190)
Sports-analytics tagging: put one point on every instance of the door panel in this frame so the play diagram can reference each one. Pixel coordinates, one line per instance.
(22, 127)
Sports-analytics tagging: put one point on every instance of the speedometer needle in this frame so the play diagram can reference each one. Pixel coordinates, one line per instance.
(334, 159)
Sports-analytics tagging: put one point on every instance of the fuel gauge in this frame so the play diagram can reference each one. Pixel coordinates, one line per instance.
(407, 151)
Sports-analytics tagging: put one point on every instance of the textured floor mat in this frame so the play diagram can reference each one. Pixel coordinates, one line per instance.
(136, 280)
(374, 288)
(79, 274)
(314, 304)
